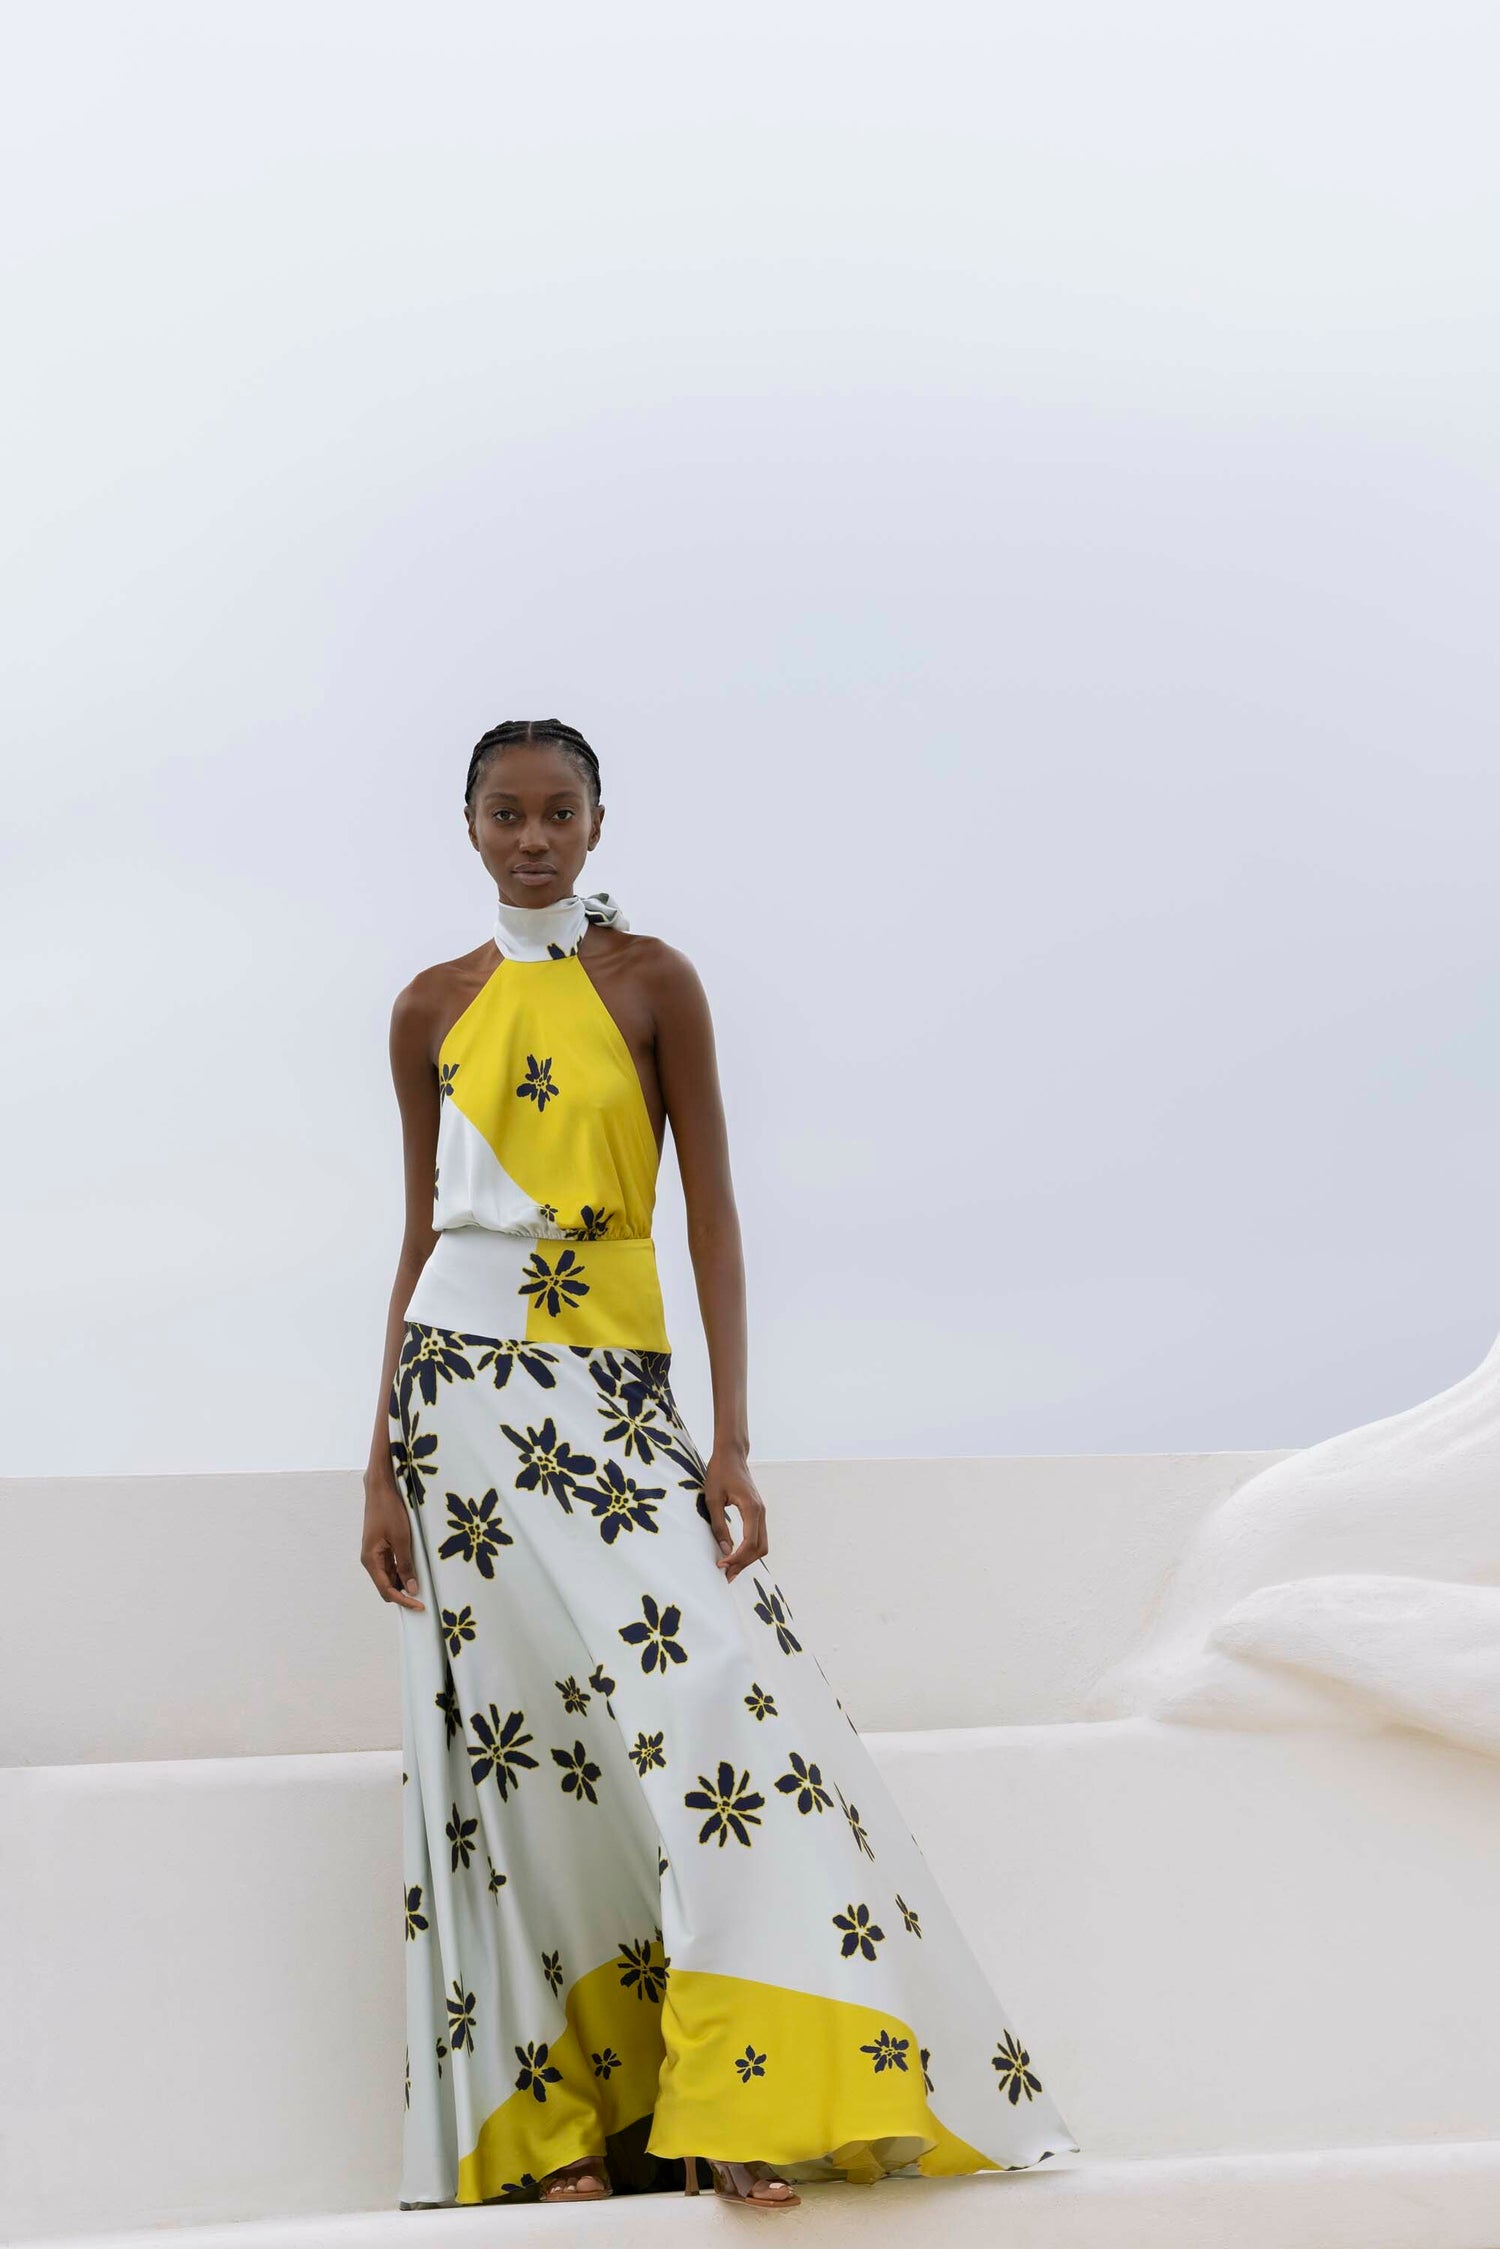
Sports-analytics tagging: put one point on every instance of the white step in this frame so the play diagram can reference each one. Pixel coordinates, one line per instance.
(1216, 1945)
(222, 1616)
(1417, 2197)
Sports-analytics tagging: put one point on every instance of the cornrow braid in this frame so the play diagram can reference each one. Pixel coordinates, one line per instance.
(533, 730)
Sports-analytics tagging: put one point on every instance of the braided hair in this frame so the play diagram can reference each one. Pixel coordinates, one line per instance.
(511, 730)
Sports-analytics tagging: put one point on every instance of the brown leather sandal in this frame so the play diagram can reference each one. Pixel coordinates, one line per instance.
(738, 2181)
(556, 2185)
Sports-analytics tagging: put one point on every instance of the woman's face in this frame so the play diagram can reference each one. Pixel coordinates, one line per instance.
(533, 821)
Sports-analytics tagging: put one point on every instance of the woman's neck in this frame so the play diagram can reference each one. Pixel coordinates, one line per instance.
(539, 932)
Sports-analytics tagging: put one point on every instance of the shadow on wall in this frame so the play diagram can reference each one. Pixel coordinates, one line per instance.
(1356, 1584)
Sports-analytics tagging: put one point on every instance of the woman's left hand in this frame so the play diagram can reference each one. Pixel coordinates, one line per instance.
(727, 1483)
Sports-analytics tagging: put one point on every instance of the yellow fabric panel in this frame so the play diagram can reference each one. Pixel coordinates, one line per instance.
(604, 1292)
(527, 2135)
(580, 1139)
(818, 2094)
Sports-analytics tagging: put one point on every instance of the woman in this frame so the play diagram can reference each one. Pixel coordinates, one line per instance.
(659, 1902)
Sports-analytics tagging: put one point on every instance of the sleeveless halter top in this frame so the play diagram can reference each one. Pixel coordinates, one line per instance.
(543, 1138)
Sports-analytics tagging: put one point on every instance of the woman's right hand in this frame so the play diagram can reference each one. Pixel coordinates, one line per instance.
(385, 1548)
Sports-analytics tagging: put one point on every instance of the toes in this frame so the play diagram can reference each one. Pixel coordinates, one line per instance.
(580, 2187)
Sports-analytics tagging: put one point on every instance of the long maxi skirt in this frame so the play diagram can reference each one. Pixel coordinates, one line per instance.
(652, 1876)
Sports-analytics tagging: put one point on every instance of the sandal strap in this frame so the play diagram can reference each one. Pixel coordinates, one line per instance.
(744, 2176)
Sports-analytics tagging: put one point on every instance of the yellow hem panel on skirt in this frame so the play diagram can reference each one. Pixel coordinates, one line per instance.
(815, 2080)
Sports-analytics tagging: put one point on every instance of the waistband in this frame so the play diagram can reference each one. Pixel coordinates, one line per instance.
(514, 1287)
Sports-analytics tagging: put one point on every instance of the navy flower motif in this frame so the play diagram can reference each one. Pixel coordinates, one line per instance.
(656, 1376)
(501, 1359)
(908, 1915)
(640, 1970)
(683, 1456)
(501, 1749)
(1013, 2065)
(414, 1458)
(926, 2057)
(579, 1773)
(549, 1462)
(416, 1919)
(759, 1704)
(614, 1372)
(619, 1502)
(605, 2062)
(461, 2018)
(458, 1628)
(771, 1608)
(552, 1970)
(461, 1833)
(430, 1356)
(478, 1532)
(447, 1072)
(536, 2072)
(575, 1699)
(656, 1637)
(859, 1933)
(447, 1702)
(497, 1879)
(593, 1225)
(750, 2064)
(733, 1807)
(805, 1782)
(632, 1426)
(856, 1824)
(554, 1288)
(600, 1681)
(538, 1084)
(887, 2051)
(647, 1754)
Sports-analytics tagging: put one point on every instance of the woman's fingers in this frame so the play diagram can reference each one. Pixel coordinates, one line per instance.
(719, 1524)
(402, 1554)
(386, 1554)
(397, 1582)
(752, 1545)
(403, 1573)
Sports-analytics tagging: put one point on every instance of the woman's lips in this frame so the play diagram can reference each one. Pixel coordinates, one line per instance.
(535, 874)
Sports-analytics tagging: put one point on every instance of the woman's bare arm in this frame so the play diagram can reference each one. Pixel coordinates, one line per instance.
(385, 1547)
(687, 1069)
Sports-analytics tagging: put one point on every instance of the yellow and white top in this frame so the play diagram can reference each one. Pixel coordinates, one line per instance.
(543, 1137)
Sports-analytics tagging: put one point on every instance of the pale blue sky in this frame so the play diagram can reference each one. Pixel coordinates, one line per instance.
(1012, 497)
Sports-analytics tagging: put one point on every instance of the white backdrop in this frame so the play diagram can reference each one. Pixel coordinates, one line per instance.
(1010, 494)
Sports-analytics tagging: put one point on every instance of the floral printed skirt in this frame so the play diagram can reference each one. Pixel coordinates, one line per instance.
(657, 1894)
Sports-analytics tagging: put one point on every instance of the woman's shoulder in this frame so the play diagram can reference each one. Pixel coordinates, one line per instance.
(639, 955)
(443, 990)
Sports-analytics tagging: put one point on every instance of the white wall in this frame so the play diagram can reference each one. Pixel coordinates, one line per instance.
(1012, 497)
(1038, 1577)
